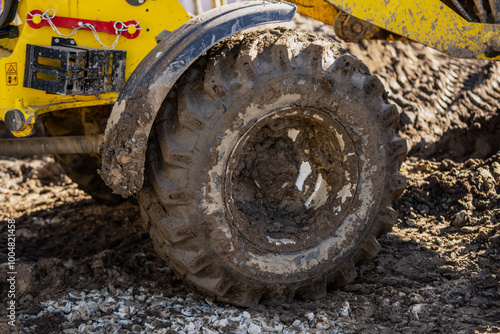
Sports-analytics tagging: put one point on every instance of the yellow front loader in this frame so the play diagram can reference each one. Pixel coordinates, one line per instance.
(265, 160)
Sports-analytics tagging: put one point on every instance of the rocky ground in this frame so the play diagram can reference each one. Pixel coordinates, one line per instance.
(85, 267)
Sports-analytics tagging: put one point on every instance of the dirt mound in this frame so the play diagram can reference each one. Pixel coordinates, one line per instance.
(449, 107)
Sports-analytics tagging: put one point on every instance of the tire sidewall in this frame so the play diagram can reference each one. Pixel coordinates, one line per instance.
(329, 93)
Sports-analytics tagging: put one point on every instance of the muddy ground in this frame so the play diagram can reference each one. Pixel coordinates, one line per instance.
(438, 271)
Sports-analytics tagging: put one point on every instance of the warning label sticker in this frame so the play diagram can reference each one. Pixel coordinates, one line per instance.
(11, 69)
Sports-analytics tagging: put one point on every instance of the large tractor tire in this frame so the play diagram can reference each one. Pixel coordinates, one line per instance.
(272, 169)
(82, 168)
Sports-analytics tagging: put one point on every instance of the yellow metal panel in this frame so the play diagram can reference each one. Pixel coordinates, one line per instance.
(316, 9)
(154, 16)
(429, 22)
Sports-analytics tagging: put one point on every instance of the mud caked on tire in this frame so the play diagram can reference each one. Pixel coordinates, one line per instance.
(82, 168)
(272, 169)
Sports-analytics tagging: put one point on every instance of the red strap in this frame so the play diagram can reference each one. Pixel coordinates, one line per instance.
(72, 23)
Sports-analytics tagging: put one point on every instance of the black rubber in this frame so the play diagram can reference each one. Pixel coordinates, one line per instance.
(227, 199)
(8, 13)
(82, 168)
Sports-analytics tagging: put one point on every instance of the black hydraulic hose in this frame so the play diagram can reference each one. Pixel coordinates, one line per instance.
(463, 11)
(8, 13)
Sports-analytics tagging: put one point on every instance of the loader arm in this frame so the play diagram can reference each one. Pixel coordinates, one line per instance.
(431, 23)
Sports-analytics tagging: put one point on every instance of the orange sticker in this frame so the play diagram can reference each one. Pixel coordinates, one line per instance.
(11, 69)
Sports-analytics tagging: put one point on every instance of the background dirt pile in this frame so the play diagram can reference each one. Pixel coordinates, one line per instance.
(438, 270)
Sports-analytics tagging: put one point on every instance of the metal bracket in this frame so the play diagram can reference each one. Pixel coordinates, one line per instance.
(161, 36)
(59, 41)
(66, 69)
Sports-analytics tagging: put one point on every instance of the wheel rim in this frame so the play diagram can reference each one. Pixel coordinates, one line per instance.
(290, 180)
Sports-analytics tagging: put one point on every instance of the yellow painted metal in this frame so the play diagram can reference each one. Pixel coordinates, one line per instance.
(316, 9)
(327, 13)
(154, 16)
(429, 22)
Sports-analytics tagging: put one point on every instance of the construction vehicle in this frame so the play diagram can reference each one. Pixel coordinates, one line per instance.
(265, 161)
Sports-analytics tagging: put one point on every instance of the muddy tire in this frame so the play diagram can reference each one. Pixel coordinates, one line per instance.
(272, 169)
(82, 168)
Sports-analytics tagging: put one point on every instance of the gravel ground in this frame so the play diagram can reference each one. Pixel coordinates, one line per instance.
(85, 267)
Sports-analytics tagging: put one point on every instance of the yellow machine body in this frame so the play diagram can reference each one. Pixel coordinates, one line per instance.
(429, 22)
(154, 16)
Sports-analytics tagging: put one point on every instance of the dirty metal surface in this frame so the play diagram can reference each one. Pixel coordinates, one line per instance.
(429, 22)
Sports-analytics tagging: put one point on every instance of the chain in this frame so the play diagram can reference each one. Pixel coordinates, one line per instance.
(119, 28)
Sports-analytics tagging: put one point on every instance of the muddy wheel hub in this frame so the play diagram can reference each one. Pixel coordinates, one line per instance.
(291, 179)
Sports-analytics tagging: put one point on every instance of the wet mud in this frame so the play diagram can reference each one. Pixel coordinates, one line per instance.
(437, 272)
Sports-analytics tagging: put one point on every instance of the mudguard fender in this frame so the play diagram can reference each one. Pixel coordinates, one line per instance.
(125, 141)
